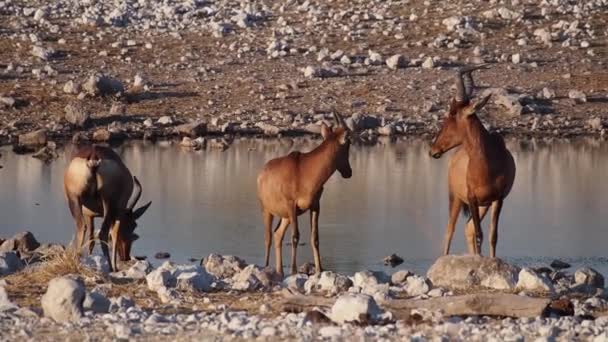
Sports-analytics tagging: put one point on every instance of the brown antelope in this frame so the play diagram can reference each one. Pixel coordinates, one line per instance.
(481, 172)
(98, 184)
(291, 185)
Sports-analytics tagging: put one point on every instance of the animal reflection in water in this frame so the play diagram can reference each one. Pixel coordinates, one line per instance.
(291, 185)
(481, 172)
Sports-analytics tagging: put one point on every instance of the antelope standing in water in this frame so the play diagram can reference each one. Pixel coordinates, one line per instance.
(291, 185)
(98, 184)
(481, 172)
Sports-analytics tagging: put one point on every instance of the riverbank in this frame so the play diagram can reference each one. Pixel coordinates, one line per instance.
(137, 71)
(47, 294)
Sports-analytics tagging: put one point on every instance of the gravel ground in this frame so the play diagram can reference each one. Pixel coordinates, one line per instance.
(276, 67)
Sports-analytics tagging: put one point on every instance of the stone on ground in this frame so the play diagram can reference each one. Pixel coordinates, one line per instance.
(63, 299)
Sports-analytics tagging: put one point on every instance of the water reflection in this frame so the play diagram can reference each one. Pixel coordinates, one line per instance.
(396, 201)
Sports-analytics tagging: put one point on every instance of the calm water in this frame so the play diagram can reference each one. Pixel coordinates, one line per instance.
(396, 202)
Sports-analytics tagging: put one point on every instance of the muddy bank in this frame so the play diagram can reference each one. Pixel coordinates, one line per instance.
(48, 293)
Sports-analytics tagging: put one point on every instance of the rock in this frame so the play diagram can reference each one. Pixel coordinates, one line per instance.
(400, 277)
(7, 101)
(96, 302)
(102, 85)
(588, 276)
(253, 278)
(559, 265)
(595, 123)
(63, 299)
(97, 263)
(307, 268)
(139, 270)
(530, 281)
(578, 96)
(393, 259)
(33, 139)
(508, 14)
(165, 120)
(296, 282)
(76, 114)
(388, 130)
(466, 272)
(516, 58)
(416, 285)
(198, 279)
(162, 255)
(501, 97)
(357, 308)
(428, 63)
(375, 58)
(121, 303)
(548, 93)
(223, 266)
(71, 87)
(102, 135)
(192, 129)
(5, 303)
(327, 282)
(43, 53)
(316, 317)
(158, 278)
(396, 61)
(24, 242)
(10, 263)
(452, 23)
(268, 129)
(47, 153)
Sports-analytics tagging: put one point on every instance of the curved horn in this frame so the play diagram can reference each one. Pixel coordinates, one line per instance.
(465, 84)
(340, 121)
(137, 192)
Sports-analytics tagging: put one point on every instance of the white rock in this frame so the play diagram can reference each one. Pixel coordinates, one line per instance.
(588, 276)
(43, 53)
(296, 282)
(96, 302)
(375, 58)
(428, 63)
(508, 14)
(63, 299)
(530, 281)
(359, 308)
(5, 303)
(102, 85)
(9, 263)
(577, 95)
(416, 285)
(253, 278)
(165, 120)
(158, 278)
(396, 61)
(516, 58)
(400, 277)
(466, 272)
(327, 282)
(199, 280)
(96, 262)
(451, 23)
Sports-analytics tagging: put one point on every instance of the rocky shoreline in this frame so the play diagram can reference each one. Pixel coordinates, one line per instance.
(48, 294)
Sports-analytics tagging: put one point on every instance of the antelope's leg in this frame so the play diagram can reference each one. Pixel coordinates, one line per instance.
(108, 220)
(474, 207)
(295, 239)
(314, 236)
(267, 216)
(278, 244)
(496, 208)
(470, 230)
(91, 233)
(114, 236)
(76, 211)
(455, 207)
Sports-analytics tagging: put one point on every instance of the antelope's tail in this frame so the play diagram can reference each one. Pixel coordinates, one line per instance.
(466, 211)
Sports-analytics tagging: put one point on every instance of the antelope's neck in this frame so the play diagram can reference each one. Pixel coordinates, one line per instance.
(317, 166)
(477, 141)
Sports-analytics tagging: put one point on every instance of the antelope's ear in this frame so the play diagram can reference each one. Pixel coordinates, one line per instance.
(325, 131)
(474, 107)
(141, 210)
(343, 137)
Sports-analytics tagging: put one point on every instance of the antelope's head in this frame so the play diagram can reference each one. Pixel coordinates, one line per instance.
(340, 137)
(462, 110)
(128, 223)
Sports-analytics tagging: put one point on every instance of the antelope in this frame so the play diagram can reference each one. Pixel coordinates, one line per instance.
(98, 184)
(291, 185)
(481, 172)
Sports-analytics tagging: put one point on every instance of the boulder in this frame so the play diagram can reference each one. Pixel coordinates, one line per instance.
(393, 259)
(158, 278)
(139, 270)
(533, 282)
(184, 277)
(357, 308)
(400, 277)
(253, 278)
(24, 242)
(465, 272)
(102, 85)
(223, 266)
(192, 129)
(76, 114)
(63, 299)
(327, 282)
(396, 62)
(198, 279)
(416, 285)
(588, 276)
(96, 302)
(296, 282)
(33, 139)
(5, 303)
(9, 263)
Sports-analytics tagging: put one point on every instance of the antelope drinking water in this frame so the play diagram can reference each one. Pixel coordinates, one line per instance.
(291, 185)
(481, 172)
(98, 184)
